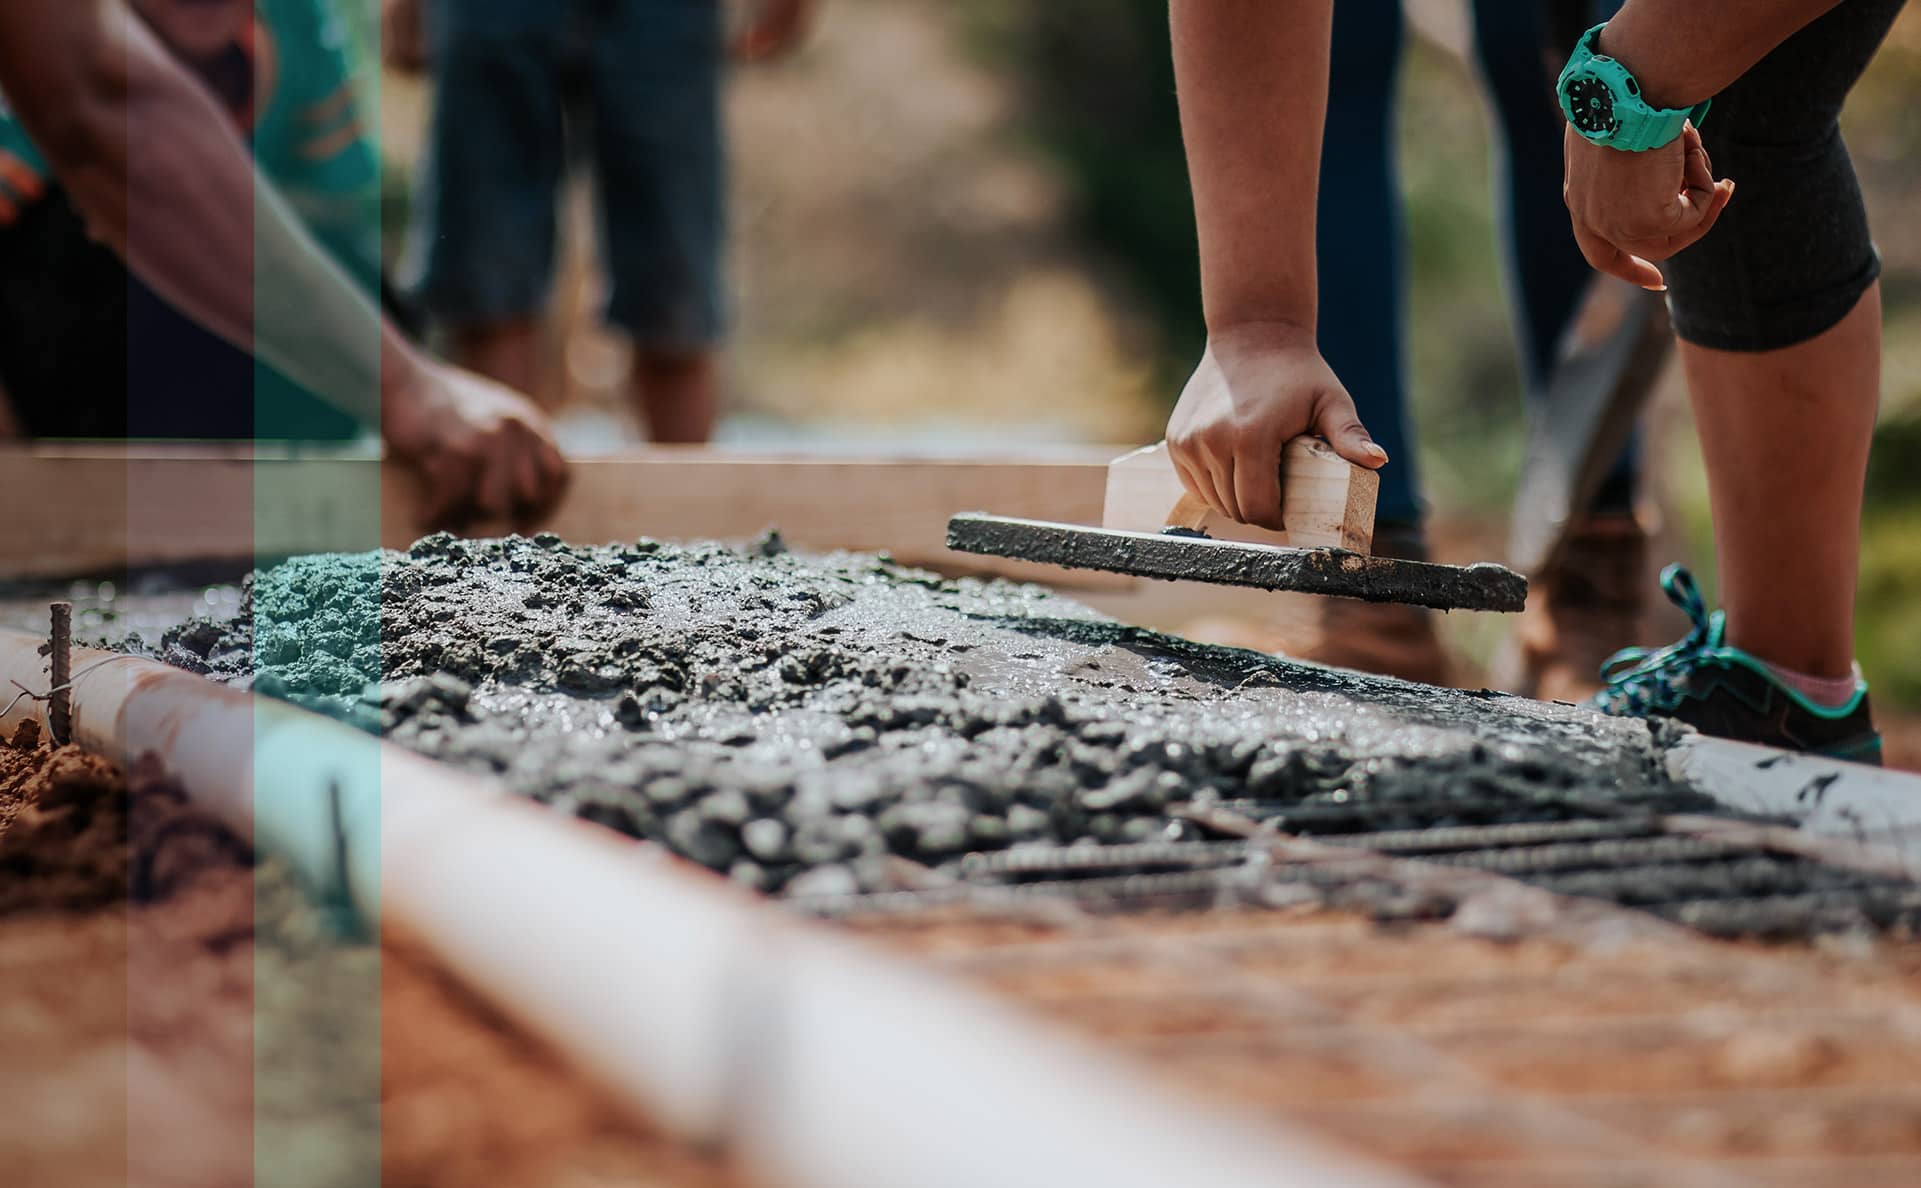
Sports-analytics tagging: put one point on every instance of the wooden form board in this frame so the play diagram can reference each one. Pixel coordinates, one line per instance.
(93, 508)
(1326, 501)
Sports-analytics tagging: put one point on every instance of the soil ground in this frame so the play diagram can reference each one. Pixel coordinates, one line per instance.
(212, 1022)
(1618, 1056)
(177, 1013)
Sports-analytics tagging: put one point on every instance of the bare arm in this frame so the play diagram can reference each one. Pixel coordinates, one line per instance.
(1685, 51)
(1253, 88)
(118, 117)
(148, 157)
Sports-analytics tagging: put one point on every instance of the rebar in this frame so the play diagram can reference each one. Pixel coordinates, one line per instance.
(1064, 860)
(1477, 837)
(59, 701)
(1570, 856)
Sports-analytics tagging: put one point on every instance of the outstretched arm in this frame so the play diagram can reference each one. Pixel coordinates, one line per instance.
(153, 164)
(1253, 88)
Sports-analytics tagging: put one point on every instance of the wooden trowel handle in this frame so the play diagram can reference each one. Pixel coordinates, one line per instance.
(1326, 501)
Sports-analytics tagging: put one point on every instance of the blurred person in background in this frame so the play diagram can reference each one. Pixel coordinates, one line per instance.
(522, 90)
(1593, 604)
(106, 130)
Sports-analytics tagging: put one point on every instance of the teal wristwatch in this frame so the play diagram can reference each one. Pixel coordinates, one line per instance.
(1604, 104)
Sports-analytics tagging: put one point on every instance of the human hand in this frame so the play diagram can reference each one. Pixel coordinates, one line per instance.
(1259, 387)
(1630, 209)
(774, 27)
(403, 35)
(482, 451)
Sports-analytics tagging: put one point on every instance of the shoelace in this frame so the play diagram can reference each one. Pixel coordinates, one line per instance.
(1640, 680)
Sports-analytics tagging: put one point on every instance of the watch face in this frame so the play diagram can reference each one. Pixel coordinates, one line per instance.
(1591, 106)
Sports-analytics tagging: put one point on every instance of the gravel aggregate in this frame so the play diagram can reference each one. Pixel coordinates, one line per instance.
(801, 723)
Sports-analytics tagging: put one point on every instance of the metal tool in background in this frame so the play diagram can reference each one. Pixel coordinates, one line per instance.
(1610, 361)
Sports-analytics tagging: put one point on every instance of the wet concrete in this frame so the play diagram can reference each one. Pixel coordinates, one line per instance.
(143, 604)
(795, 721)
(1188, 556)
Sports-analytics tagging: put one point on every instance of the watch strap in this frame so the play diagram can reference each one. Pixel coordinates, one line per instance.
(1641, 125)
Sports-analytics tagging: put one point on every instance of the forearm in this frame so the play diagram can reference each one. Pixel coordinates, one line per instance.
(151, 161)
(9, 423)
(1252, 76)
(1685, 51)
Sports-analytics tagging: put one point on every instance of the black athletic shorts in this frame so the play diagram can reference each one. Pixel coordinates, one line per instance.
(1791, 255)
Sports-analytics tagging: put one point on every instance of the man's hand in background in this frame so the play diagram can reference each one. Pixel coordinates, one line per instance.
(773, 27)
(1631, 209)
(1259, 387)
(403, 35)
(482, 451)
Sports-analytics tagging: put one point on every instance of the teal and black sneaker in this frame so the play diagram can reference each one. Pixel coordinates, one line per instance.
(1723, 691)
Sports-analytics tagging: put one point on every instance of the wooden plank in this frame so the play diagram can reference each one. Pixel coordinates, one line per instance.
(1326, 501)
(75, 509)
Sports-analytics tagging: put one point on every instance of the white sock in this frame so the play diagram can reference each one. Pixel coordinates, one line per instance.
(1826, 692)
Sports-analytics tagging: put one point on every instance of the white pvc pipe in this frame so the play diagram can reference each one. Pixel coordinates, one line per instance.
(711, 1012)
(1869, 806)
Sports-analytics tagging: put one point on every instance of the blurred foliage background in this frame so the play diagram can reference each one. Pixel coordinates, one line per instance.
(966, 225)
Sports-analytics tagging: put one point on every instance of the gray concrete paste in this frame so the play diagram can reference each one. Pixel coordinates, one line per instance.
(793, 720)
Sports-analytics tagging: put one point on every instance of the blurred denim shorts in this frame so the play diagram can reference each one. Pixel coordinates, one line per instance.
(528, 87)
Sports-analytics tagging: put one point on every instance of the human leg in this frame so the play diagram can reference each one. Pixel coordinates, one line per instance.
(1361, 245)
(1786, 487)
(1522, 47)
(656, 79)
(1547, 277)
(1548, 280)
(1778, 311)
(1591, 602)
(678, 395)
(480, 255)
(1362, 251)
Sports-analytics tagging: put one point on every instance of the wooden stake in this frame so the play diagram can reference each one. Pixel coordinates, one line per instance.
(59, 701)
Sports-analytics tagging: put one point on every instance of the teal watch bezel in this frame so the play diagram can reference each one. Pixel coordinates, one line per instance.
(1637, 126)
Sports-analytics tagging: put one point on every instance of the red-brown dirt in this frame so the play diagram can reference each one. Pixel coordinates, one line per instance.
(1637, 1057)
(174, 1015)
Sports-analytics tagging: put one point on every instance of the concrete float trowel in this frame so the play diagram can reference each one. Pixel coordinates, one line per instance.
(1151, 527)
